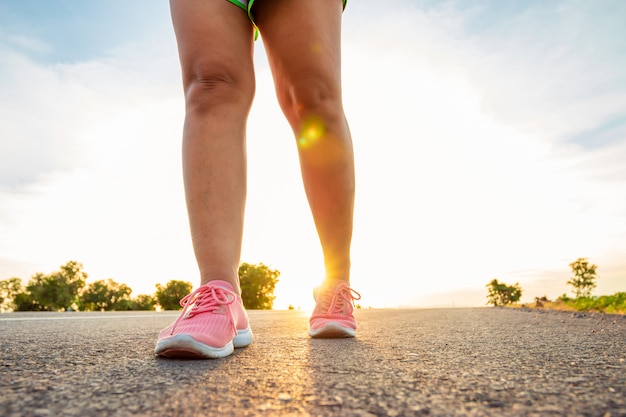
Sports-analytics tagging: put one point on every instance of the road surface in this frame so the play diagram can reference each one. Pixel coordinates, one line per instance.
(408, 362)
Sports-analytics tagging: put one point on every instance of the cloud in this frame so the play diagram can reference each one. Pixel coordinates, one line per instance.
(553, 69)
(46, 105)
(35, 109)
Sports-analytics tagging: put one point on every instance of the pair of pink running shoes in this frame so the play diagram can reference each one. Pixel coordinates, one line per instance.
(214, 322)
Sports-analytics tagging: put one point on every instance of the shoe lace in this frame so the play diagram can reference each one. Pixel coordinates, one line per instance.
(337, 300)
(207, 298)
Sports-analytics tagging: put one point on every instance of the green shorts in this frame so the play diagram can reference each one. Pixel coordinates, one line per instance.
(247, 6)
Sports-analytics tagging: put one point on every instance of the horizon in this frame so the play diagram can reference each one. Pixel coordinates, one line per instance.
(286, 305)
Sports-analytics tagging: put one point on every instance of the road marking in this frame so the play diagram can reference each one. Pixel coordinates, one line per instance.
(37, 316)
(81, 317)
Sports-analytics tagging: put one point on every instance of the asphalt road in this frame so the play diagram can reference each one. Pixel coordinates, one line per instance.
(439, 362)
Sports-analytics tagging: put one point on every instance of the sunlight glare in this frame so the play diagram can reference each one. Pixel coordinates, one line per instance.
(316, 47)
(313, 129)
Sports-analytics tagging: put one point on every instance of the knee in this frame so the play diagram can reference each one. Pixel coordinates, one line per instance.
(214, 87)
(311, 97)
(314, 110)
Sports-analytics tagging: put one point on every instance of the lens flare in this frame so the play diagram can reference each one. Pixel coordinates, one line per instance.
(316, 47)
(312, 130)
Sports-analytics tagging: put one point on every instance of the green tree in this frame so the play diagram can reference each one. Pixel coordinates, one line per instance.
(58, 290)
(9, 288)
(501, 294)
(584, 279)
(142, 302)
(257, 286)
(25, 301)
(169, 296)
(105, 295)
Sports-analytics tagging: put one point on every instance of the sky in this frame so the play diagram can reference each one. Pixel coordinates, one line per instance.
(489, 136)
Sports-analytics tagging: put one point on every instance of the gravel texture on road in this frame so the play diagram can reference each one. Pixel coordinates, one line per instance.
(405, 362)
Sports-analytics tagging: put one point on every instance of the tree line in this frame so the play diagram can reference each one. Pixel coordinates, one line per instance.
(67, 289)
(582, 281)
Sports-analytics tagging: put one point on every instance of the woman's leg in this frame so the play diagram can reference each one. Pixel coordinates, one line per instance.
(215, 43)
(215, 46)
(302, 40)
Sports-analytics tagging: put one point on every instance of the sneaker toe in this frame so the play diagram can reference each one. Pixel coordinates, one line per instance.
(324, 328)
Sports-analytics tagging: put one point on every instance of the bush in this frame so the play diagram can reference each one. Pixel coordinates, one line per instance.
(105, 296)
(615, 303)
(169, 296)
(257, 286)
(501, 294)
(143, 302)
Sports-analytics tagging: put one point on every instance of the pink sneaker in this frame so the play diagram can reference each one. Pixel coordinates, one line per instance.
(332, 316)
(213, 322)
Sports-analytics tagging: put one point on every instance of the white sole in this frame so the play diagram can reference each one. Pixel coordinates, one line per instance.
(332, 330)
(185, 346)
(243, 338)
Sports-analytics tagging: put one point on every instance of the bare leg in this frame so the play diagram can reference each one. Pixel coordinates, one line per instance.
(215, 46)
(302, 40)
